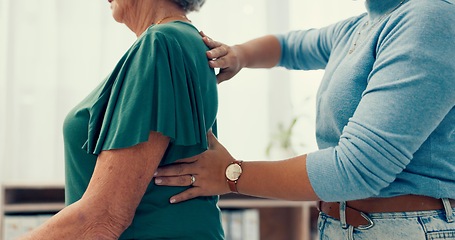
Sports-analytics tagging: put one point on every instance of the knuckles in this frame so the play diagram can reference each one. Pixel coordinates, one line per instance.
(179, 168)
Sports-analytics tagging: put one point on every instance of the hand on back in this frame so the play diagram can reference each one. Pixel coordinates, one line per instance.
(224, 57)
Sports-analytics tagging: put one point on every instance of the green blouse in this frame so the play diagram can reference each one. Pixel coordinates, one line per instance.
(163, 83)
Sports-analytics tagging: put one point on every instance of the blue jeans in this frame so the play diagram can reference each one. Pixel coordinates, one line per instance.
(422, 225)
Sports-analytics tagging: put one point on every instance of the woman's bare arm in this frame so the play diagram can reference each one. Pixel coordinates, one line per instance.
(107, 208)
(286, 179)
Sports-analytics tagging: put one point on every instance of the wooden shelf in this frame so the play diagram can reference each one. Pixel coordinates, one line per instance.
(32, 200)
(33, 208)
(290, 220)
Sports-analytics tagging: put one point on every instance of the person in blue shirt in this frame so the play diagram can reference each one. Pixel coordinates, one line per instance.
(385, 129)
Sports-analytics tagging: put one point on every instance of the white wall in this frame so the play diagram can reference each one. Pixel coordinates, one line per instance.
(56, 51)
(255, 100)
(3, 92)
(303, 15)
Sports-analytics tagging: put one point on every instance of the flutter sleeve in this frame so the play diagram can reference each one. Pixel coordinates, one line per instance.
(151, 89)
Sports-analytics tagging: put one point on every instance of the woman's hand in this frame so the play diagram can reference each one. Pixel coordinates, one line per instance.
(207, 168)
(226, 58)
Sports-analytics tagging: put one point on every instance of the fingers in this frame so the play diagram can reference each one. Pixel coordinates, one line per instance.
(217, 51)
(202, 34)
(181, 167)
(186, 195)
(209, 42)
(181, 181)
(187, 160)
(219, 58)
(177, 181)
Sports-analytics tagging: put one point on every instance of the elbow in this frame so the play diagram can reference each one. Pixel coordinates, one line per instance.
(105, 223)
(109, 227)
(109, 230)
(118, 221)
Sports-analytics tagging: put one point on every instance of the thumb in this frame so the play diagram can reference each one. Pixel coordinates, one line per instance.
(212, 140)
(221, 77)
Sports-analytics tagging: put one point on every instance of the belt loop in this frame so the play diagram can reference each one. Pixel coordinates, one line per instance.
(350, 233)
(448, 210)
(344, 224)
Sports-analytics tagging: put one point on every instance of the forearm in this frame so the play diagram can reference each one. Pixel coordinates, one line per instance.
(76, 222)
(287, 179)
(107, 207)
(92, 217)
(264, 52)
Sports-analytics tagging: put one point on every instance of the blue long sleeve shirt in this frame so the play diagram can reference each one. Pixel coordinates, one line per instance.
(385, 107)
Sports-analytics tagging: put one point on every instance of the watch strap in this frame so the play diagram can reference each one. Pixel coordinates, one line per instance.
(233, 186)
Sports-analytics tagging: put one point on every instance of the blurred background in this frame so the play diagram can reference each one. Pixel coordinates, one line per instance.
(53, 52)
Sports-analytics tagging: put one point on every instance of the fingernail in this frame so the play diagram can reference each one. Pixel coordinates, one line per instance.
(156, 173)
(172, 200)
(158, 180)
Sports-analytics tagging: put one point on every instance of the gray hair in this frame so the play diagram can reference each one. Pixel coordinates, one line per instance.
(190, 5)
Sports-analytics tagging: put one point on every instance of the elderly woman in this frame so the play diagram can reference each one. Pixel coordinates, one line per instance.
(155, 107)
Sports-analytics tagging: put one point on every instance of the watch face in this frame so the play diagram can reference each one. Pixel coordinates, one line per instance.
(233, 172)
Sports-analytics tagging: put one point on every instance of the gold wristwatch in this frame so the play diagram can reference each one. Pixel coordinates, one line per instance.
(233, 173)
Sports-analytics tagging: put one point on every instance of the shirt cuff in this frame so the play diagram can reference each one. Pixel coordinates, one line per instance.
(323, 176)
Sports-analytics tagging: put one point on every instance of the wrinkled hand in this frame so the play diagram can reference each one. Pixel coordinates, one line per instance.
(207, 168)
(224, 57)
